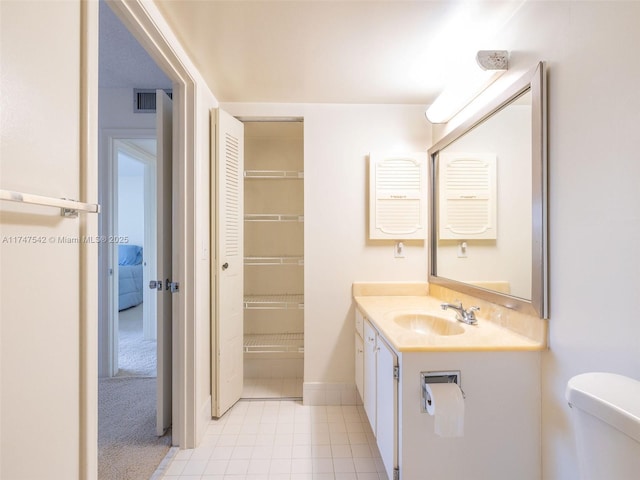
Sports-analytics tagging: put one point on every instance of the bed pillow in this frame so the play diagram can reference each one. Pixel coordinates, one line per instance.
(129, 255)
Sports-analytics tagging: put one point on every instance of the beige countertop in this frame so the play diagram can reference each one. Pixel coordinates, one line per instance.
(484, 336)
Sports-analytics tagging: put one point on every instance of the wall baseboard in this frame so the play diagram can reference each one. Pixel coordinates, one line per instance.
(319, 393)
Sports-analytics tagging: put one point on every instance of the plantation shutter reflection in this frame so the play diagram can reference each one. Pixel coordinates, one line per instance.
(467, 201)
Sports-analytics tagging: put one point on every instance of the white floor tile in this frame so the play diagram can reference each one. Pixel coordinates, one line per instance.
(216, 467)
(237, 467)
(259, 466)
(194, 467)
(283, 440)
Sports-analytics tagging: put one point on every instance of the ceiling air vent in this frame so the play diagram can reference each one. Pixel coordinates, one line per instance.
(144, 100)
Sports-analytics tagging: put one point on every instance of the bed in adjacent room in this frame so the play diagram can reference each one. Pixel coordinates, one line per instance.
(129, 276)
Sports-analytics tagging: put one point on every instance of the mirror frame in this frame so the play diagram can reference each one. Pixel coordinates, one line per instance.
(534, 80)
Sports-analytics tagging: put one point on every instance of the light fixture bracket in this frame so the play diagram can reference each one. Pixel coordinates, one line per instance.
(493, 59)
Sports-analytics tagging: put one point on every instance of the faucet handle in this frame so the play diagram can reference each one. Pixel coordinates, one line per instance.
(471, 313)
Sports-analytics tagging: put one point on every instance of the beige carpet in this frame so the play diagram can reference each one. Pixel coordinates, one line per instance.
(128, 448)
(136, 355)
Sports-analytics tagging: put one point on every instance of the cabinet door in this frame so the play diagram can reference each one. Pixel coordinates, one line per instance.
(360, 365)
(387, 405)
(370, 392)
(359, 323)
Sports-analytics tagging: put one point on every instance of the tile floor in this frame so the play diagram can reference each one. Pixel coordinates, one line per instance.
(272, 388)
(283, 440)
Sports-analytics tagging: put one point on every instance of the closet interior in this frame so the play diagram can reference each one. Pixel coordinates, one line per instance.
(273, 259)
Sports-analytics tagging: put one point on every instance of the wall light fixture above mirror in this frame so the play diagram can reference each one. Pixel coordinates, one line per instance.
(488, 209)
(490, 65)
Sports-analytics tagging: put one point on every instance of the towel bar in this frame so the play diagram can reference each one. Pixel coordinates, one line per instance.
(68, 208)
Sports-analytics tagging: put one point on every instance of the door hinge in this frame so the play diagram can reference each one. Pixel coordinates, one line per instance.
(396, 473)
(396, 372)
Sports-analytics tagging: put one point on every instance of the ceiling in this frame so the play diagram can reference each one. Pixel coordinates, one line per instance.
(123, 62)
(356, 51)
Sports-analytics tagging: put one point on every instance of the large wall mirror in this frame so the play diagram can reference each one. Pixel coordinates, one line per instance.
(488, 229)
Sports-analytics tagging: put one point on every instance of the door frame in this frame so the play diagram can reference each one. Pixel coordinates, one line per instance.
(115, 141)
(150, 29)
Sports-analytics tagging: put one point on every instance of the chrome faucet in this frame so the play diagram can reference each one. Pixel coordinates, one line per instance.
(462, 315)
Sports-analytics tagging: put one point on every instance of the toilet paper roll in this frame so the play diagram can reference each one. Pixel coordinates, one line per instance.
(447, 406)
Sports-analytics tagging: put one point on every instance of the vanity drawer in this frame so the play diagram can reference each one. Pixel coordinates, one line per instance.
(359, 323)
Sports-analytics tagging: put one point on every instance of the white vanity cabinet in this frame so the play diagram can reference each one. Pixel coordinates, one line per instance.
(377, 373)
(501, 438)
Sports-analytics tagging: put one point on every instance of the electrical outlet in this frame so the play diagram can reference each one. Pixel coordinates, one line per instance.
(398, 250)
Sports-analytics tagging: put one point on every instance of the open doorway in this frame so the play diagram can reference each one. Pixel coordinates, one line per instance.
(129, 442)
(189, 273)
(136, 227)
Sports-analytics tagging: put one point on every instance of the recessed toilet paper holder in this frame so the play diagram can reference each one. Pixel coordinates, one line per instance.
(452, 376)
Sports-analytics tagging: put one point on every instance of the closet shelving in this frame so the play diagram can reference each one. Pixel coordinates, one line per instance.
(274, 343)
(274, 251)
(285, 301)
(273, 217)
(274, 174)
(284, 260)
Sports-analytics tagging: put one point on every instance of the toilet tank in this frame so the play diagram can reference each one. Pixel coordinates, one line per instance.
(605, 411)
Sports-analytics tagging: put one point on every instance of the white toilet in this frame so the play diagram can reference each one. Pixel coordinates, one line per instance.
(605, 410)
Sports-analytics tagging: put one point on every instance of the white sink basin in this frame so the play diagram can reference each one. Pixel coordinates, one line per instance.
(426, 324)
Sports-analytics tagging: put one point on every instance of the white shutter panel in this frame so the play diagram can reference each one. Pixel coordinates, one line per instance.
(232, 194)
(397, 196)
(467, 201)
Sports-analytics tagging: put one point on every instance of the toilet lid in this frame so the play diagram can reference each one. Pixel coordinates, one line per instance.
(614, 399)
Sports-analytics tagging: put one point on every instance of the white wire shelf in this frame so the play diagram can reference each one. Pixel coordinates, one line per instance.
(273, 217)
(285, 260)
(274, 343)
(273, 174)
(274, 302)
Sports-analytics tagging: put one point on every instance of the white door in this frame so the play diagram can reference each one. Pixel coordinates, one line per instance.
(228, 263)
(370, 374)
(387, 406)
(48, 262)
(359, 365)
(164, 132)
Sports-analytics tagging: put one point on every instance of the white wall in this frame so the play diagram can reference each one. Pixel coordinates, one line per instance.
(594, 112)
(116, 110)
(337, 140)
(594, 197)
(131, 207)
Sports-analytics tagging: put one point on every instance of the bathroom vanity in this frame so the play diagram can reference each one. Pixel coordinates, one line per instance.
(500, 378)
(486, 251)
